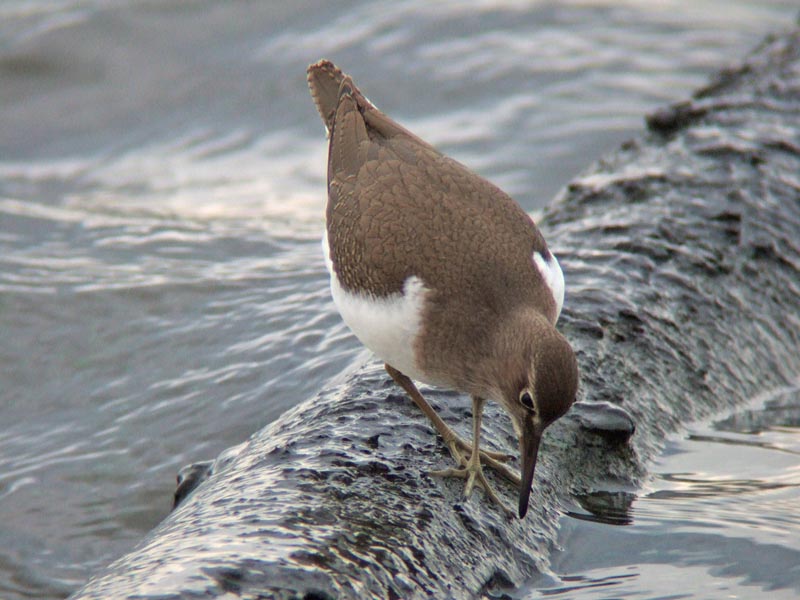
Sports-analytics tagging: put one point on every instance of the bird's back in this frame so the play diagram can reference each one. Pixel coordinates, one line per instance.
(398, 208)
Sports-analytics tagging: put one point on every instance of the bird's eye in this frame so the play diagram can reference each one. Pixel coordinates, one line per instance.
(526, 400)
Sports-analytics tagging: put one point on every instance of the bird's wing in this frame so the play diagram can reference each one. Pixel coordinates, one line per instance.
(400, 208)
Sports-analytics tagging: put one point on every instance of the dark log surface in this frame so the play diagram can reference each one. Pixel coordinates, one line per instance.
(682, 256)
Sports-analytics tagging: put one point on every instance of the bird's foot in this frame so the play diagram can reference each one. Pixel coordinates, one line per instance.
(491, 459)
(473, 473)
(467, 448)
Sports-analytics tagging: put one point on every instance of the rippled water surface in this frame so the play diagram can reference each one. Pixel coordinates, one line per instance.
(162, 294)
(719, 519)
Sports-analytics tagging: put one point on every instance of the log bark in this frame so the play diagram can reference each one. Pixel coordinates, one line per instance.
(682, 253)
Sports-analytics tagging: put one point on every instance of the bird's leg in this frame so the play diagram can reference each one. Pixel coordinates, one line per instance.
(472, 470)
(496, 456)
(451, 439)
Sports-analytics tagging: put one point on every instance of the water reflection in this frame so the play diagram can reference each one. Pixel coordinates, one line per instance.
(719, 519)
(581, 584)
(611, 508)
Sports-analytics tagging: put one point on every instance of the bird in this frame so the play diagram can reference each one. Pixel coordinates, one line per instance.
(445, 278)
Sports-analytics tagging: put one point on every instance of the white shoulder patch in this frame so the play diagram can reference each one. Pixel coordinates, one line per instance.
(553, 278)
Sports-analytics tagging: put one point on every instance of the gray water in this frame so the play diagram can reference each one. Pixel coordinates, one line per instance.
(162, 293)
(718, 520)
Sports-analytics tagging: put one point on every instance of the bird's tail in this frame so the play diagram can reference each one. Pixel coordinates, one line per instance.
(324, 80)
(329, 86)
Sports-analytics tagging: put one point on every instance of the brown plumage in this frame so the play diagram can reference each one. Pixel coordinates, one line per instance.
(397, 208)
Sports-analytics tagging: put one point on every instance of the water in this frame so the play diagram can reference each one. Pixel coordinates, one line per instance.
(718, 520)
(162, 294)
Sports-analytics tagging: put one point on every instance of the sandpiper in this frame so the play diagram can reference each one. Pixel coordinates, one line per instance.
(444, 277)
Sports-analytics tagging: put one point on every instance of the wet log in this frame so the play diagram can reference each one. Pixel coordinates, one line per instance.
(682, 255)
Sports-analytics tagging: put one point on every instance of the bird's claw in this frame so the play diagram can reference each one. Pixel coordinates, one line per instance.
(486, 459)
(496, 456)
(473, 473)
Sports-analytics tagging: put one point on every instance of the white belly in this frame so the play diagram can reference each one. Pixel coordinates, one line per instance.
(387, 326)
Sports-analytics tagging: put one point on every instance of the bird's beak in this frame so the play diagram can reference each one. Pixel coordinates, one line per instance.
(529, 450)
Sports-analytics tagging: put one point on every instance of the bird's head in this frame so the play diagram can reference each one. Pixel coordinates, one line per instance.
(539, 386)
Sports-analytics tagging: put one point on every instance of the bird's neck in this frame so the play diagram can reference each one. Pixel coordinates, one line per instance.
(507, 361)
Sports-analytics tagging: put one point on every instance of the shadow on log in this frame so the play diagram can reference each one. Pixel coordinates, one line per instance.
(682, 253)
